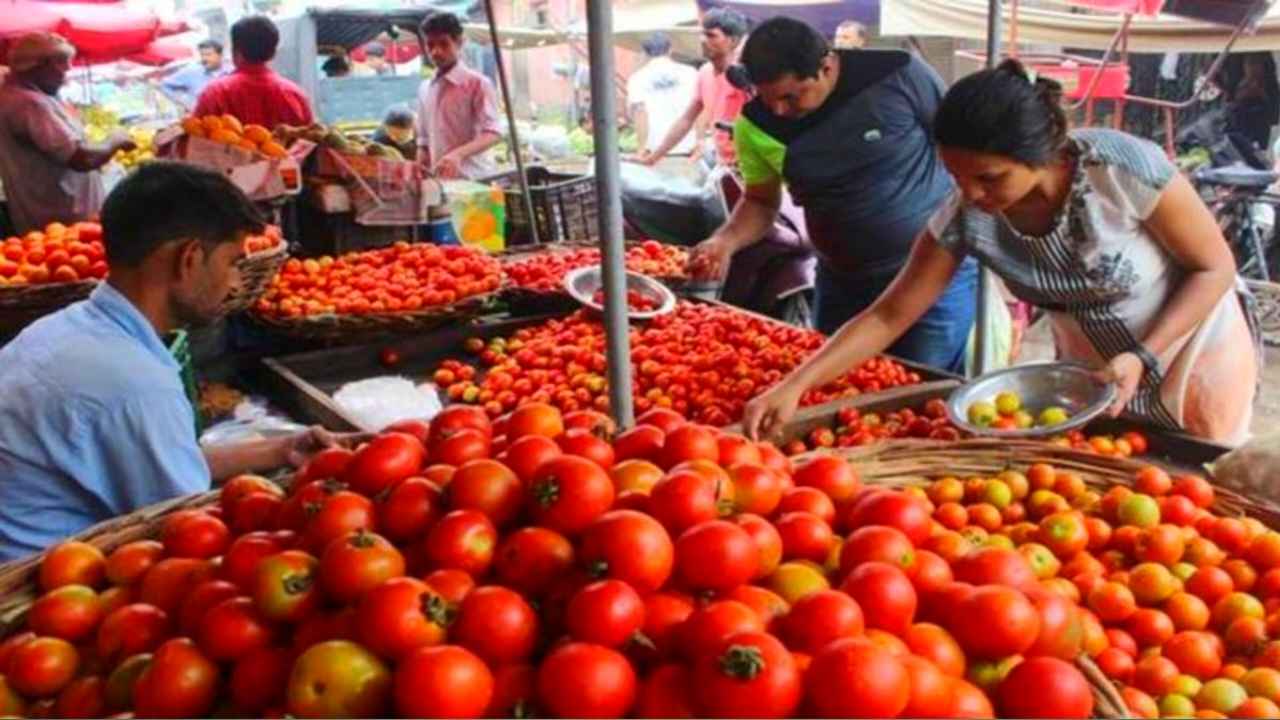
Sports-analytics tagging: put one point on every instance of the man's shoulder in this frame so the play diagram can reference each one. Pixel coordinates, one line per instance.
(15, 97)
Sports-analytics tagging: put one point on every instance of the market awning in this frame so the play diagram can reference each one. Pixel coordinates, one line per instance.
(100, 31)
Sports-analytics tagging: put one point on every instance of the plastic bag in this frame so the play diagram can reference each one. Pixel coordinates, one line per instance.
(377, 402)
(252, 419)
(999, 333)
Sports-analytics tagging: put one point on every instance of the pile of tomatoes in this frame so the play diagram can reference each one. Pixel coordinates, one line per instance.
(704, 361)
(636, 301)
(545, 271)
(59, 254)
(403, 277)
(269, 239)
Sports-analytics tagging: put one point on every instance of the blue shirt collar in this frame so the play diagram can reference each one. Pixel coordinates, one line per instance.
(121, 312)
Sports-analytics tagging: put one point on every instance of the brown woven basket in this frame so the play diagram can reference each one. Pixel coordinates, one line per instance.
(350, 329)
(18, 579)
(256, 272)
(20, 305)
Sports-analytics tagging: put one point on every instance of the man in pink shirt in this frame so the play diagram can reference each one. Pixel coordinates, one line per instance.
(254, 93)
(722, 32)
(457, 109)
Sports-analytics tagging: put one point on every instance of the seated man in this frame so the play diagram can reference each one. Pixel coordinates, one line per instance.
(94, 421)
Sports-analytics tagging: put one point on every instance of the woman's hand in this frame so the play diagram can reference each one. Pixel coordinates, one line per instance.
(1125, 370)
(769, 411)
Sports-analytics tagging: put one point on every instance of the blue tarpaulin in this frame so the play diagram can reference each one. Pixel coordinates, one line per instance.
(822, 14)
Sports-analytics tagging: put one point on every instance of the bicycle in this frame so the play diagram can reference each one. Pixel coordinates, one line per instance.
(1238, 196)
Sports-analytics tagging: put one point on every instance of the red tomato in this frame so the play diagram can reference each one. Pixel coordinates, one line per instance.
(688, 442)
(72, 563)
(535, 418)
(896, 510)
(606, 613)
(749, 675)
(84, 697)
(854, 677)
(489, 487)
(525, 455)
(356, 563)
(453, 585)
(514, 690)
(463, 540)
(818, 618)
(884, 593)
(804, 537)
(703, 631)
(167, 583)
(585, 680)
(968, 701)
(194, 534)
(642, 442)
(665, 693)
(568, 493)
(328, 463)
(496, 624)
(1011, 626)
(530, 559)
(201, 601)
(1045, 687)
(756, 489)
(993, 565)
(810, 500)
(461, 446)
(1061, 632)
(931, 694)
(128, 563)
(232, 629)
(241, 486)
(259, 679)
(42, 666)
(716, 555)
(420, 429)
(341, 513)
(877, 543)
(132, 629)
(664, 613)
(179, 682)
(384, 461)
(830, 474)
(286, 587)
(768, 543)
(70, 612)
(409, 509)
(662, 418)
(1195, 653)
(400, 615)
(455, 418)
(683, 499)
(936, 645)
(586, 444)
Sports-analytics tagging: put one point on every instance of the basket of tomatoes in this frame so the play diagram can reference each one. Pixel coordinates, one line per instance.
(264, 255)
(536, 274)
(46, 270)
(400, 289)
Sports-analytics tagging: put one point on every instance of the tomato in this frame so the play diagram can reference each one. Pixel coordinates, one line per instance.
(286, 586)
(805, 536)
(1196, 488)
(42, 666)
(384, 461)
(817, 619)
(642, 442)
(233, 628)
(607, 613)
(1195, 653)
(85, 697)
(1045, 687)
(194, 534)
(128, 563)
(757, 489)
(896, 510)
(70, 612)
(259, 679)
(167, 582)
(356, 563)
(683, 499)
(489, 487)
(931, 694)
(200, 602)
(587, 444)
(338, 678)
(1060, 634)
(884, 593)
(328, 463)
(455, 418)
(568, 493)
(768, 543)
(665, 693)
(854, 677)
(750, 674)
(877, 543)
(255, 511)
(530, 559)
(400, 615)
(968, 701)
(241, 486)
(704, 629)
(340, 513)
(664, 613)
(406, 512)
(585, 680)
(829, 474)
(716, 555)
(993, 565)
(178, 682)
(443, 681)
(526, 454)
(1014, 623)
(936, 645)
(240, 564)
(496, 624)
(453, 585)
(9, 644)
(132, 629)
(463, 540)
(461, 446)
(72, 563)
(1210, 584)
(420, 429)
(1064, 533)
(514, 690)
(662, 419)
(688, 442)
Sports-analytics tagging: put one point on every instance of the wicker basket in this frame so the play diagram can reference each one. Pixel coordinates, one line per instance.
(256, 272)
(351, 329)
(20, 305)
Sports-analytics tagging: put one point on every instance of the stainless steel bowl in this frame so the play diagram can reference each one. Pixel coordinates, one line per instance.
(583, 283)
(1069, 386)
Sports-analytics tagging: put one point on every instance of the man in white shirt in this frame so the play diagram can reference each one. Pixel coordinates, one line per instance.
(658, 93)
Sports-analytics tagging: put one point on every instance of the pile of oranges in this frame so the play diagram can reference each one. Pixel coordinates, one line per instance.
(59, 254)
(228, 130)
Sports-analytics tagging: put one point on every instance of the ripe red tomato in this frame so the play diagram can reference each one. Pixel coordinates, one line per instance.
(286, 586)
(128, 563)
(232, 629)
(194, 534)
(993, 565)
(72, 563)
(1061, 632)
(585, 680)
(455, 418)
(642, 442)
(70, 612)
(384, 461)
(356, 563)
(259, 679)
(877, 543)
(535, 418)
(818, 618)
(526, 454)
(896, 510)
(409, 509)
(400, 615)
(84, 697)
(661, 418)
(514, 690)
(1010, 629)
(531, 559)
(854, 677)
(338, 678)
(756, 489)
(489, 487)
(444, 681)
(42, 666)
(568, 493)
(885, 594)
(683, 499)
(461, 446)
(935, 644)
(665, 693)
(804, 537)
(420, 429)
(930, 689)
(1045, 687)
(132, 629)
(240, 486)
(587, 444)
(167, 583)
(810, 500)
(749, 675)
(768, 543)
(496, 624)
(340, 513)
(464, 540)
(830, 474)
(688, 442)
(328, 463)
(200, 601)
(606, 613)
(716, 555)
(708, 625)
(179, 682)
(452, 584)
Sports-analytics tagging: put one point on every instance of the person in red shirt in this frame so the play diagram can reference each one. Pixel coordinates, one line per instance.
(254, 93)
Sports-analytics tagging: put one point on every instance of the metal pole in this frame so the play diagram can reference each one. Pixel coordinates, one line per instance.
(608, 188)
(982, 310)
(511, 120)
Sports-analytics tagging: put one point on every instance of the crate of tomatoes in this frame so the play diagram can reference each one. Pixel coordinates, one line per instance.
(45, 270)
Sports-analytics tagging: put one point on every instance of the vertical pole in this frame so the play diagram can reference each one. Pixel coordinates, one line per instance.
(608, 188)
(981, 360)
(511, 119)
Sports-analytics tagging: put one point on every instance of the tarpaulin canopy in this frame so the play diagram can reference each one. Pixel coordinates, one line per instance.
(100, 31)
(822, 14)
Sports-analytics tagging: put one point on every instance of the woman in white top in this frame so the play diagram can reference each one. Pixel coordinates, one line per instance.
(1094, 226)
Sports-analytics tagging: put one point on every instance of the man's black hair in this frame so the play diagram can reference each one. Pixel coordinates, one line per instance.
(336, 66)
(375, 50)
(255, 37)
(444, 22)
(210, 44)
(784, 46)
(657, 45)
(730, 22)
(163, 202)
(398, 116)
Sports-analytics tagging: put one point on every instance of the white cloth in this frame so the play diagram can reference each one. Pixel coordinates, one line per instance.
(664, 88)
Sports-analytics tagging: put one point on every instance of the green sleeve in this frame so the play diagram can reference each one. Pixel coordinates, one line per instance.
(760, 155)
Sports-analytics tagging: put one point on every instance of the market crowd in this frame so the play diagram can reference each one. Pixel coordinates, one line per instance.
(905, 185)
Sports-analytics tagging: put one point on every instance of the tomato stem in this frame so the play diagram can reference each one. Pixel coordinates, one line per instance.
(743, 662)
(547, 492)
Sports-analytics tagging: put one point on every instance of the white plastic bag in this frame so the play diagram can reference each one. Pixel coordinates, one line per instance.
(377, 402)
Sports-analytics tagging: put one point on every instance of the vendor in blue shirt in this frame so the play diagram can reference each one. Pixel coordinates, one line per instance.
(185, 83)
(848, 133)
(94, 421)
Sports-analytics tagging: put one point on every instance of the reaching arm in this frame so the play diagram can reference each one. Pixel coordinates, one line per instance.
(677, 131)
(227, 461)
(640, 119)
(750, 220)
(91, 157)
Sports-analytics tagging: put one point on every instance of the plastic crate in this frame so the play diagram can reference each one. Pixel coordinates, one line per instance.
(180, 348)
(565, 206)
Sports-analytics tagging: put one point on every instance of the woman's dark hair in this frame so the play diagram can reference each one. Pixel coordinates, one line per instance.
(1004, 111)
(444, 23)
(255, 37)
(784, 46)
(163, 202)
(730, 22)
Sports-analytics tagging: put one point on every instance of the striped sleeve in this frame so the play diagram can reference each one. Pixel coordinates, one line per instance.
(946, 226)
